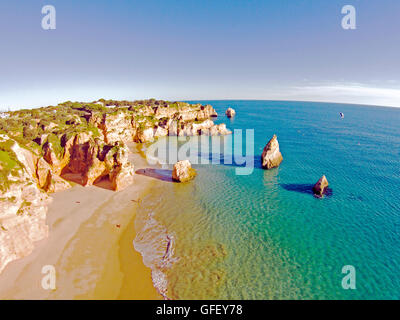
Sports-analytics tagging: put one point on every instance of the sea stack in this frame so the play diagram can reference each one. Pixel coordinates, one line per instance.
(230, 112)
(320, 187)
(183, 171)
(271, 156)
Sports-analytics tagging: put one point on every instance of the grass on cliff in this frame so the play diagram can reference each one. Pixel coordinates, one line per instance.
(55, 143)
(29, 127)
(9, 164)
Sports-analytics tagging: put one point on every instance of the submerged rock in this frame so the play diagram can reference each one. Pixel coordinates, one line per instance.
(183, 171)
(230, 112)
(271, 156)
(320, 187)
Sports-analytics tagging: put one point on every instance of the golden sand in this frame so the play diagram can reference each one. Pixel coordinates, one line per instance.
(90, 245)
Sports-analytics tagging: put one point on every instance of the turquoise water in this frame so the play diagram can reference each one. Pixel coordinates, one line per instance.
(264, 235)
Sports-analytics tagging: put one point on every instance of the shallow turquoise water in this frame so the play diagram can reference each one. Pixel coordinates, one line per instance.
(264, 235)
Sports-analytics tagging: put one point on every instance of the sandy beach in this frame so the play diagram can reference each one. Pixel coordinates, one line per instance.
(91, 230)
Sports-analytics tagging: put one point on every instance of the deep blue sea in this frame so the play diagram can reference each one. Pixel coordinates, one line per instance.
(264, 235)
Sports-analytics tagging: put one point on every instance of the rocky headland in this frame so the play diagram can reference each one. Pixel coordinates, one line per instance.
(49, 149)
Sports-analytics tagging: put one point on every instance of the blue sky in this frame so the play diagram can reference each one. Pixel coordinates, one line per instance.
(180, 50)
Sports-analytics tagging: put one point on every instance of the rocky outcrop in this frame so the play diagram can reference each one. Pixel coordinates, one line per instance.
(271, 156)
(147, 123)
(38, 169)
(145, 134)
(180, 128)
(23, 205)
(321, 186)
(88, 139)
(26, 179)
(181, 111)
(47, 180)
(56, 151)
(183, 171)
(218, 130)
(94, 160)
(84, 143)
(197, 112)
(117, 126)
(207, 128)
(120, 170)
(230, 112)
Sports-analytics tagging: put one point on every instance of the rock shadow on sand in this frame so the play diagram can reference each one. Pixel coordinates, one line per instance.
(160, 174)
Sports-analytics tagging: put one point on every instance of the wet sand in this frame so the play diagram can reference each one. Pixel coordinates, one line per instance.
(91, 231)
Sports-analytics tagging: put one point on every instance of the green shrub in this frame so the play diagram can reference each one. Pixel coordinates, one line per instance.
(9, 164)
(55, 142)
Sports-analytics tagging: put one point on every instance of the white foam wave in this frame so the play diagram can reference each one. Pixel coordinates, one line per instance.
(157, 248)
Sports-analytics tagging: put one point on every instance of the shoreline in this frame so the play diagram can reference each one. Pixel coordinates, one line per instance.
(90, 244)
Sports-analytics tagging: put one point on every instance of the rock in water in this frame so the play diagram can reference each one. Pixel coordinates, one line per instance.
(183, 171)
(271, 156)
(230, 112)
(320, 187)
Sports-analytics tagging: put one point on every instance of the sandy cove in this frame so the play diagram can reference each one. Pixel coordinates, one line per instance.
(91, 231)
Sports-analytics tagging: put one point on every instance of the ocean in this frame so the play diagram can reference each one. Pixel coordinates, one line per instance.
(264, 235)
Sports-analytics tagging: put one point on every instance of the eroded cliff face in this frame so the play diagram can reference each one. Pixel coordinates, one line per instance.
(86, 142)
(144, 124)
(27, 178)
(45, 150)
(23, 205)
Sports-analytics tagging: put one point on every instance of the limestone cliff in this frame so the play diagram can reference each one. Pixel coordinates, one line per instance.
(23, 206)
(44, 150)
(86, 142)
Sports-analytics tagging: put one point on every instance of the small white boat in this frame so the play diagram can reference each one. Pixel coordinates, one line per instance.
(341, 115)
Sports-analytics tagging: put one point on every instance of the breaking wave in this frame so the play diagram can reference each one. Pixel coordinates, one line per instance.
(157, 248)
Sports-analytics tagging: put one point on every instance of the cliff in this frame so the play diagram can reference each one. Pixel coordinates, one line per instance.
(86, 142)
(44, 150)
(23, 206)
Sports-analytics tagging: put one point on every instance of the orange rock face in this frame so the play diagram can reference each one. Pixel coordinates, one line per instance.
(84, 140)
(183, 171)
(320, 187)
(230, 112)
(271, 156)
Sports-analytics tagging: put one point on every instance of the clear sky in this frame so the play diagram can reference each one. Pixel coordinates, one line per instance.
(182, 50)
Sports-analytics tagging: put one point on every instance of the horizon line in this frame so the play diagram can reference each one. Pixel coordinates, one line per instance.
(226, 99)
